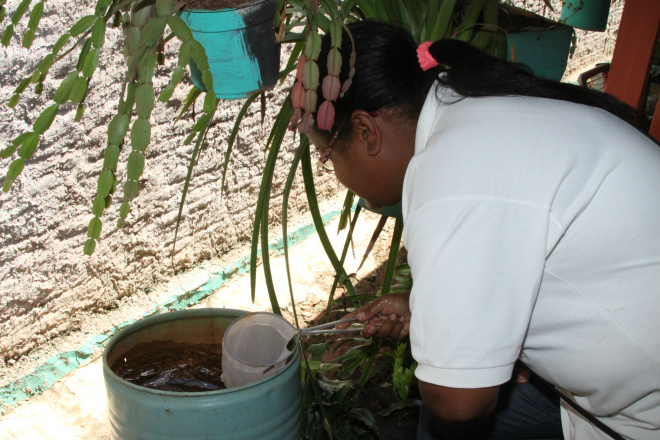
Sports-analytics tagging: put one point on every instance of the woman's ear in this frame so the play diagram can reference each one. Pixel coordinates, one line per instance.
(366, 132)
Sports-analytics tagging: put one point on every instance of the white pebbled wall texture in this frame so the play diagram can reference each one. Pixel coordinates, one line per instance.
(46, 282)
(47, 285)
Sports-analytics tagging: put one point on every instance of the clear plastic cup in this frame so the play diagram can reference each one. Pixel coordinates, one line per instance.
(254, 347)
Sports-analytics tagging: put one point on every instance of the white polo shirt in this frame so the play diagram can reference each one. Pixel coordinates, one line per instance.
(533, 232)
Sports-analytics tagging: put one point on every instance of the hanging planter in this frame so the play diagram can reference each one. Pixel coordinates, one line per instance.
(542, 45)
(161, 382)
(589, 15)
(240, 43)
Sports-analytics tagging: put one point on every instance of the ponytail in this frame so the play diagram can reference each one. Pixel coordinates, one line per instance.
(472, 73)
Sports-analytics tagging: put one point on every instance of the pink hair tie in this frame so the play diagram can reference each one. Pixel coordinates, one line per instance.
(426, 60)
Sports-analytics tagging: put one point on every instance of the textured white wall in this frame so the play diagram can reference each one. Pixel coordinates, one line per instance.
(46, 283)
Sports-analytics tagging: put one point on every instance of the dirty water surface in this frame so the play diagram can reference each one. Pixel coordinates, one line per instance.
(168, 366)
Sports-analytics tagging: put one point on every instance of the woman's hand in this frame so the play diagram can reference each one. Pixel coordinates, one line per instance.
(388, 316)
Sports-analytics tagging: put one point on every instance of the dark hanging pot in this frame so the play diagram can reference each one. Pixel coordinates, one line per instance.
(540, 44)
(590, 15)
(240, 44)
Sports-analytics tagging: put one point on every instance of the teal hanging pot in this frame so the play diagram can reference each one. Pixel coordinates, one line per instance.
(240, 44)
(590, 15)
(536, 42)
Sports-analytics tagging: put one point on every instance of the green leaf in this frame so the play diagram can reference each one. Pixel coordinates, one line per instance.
(135, 165)
(6, 185)
(108, 201)
(166, 93)
(6, 35)
(38, 88)
(29, 146)
(147, 66)
(13, 101)
(164, 8)
(90, 245)
(18, 140)
(141, 134)
(45, 119)
(20, 10)
(80, 112)
(117, 129)
(177, 75)
(83, 25)
(35, 16)
(140, 14)
(210, 102)
(105, 182)
(180, 28)
(132, 40)
(7, 152)
(79, 90)
(60, 43)
(94, 228)
(22, 85)
(207, 79)
(124, 209)
(153, 31)
(202, 123)
(111, 157)
(28, 38)
(185, 52)
(312, 46)
(102, 6)
(335, 34)
(144, 100)
(46, 63)
(98, 205)
(199, 55)
(98, 34)
(3, 11)
(15, 168)
(64, 90)
(90, 63)
(131, 189)
(189, 138)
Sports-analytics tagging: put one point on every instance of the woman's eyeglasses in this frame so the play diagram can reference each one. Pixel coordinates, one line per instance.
(325, 161)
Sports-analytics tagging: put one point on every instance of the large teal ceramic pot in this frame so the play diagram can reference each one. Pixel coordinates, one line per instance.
(269, 409)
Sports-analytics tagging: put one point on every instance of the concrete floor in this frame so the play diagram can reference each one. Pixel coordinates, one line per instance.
(75, 406)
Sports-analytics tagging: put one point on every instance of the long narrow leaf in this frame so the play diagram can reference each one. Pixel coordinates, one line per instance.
(191, 166)
(308, 179)
(374, 237)
(232, 136)
(279, 129)
(304, 143)
(441, 26)
(394, 252)
(471, 17)
(190, 100)
(344, 252)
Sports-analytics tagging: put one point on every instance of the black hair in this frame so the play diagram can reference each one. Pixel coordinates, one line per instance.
(388, 75)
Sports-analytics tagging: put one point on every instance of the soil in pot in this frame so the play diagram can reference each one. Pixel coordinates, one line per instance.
(215, 5)
(168, 366)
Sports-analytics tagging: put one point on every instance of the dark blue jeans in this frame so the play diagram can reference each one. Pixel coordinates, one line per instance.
(523, 412)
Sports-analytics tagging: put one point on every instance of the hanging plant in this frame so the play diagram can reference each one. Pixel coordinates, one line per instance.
(144, 25)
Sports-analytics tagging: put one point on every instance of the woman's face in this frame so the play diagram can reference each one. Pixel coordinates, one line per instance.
(371, 161)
